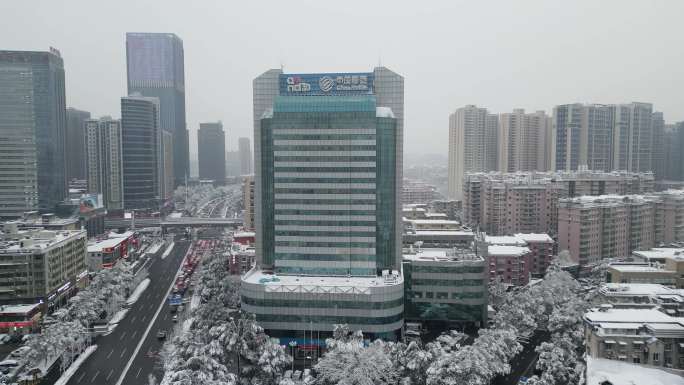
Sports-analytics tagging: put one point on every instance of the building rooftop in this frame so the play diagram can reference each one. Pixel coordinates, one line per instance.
(504, 240)
(507, 251)
(600, 370)
(28, 241)
(442, 233)
(649, 316)
(635, 289)
(319, 283)
(442, 255)
(661, 253)
(433, 221)
(535, 237)
(18, 309)
(99, 245)
(631, 268)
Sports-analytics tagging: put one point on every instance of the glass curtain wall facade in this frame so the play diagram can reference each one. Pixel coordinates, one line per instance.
(328, 183)
(33, 119)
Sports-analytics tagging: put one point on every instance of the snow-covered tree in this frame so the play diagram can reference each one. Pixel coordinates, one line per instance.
(349, 362)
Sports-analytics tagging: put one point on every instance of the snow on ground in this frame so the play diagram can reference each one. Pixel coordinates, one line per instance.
(115, 320)
(138, 291)
(186, 324)
(168, 250)
(622, 373)
(75, 365)
(154, 248)
(195, 301)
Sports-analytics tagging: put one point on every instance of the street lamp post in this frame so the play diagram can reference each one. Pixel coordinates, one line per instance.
(293, 344)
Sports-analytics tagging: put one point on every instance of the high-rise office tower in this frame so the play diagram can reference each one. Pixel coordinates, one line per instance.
(103, 160)
(473, 145)
(523, 141)
(658, 142)
(245, 150)
(327, 155)
(143, 148)
(156, 69)
(211, 152)
(673, 154)
(633, 137)
(233, 163)
(32, 128)
(75, 147)
(582, 137)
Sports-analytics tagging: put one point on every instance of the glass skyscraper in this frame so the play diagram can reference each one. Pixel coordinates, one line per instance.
(155, 64)
(328, 173)
(32, 122)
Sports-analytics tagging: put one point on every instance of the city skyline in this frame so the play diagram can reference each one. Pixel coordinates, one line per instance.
(232, 63)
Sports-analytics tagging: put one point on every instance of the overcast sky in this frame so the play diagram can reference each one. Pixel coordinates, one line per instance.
(496, 54)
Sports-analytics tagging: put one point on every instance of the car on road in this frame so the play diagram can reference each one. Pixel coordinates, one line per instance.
(174, 318)
(20, 352)
(161, 334)
(523, 380)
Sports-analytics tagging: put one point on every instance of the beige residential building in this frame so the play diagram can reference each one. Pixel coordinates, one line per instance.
(472, 145)
(524, 141)
(593, 228)
(508, 203)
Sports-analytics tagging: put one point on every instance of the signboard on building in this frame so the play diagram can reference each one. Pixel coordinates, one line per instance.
(326, 84)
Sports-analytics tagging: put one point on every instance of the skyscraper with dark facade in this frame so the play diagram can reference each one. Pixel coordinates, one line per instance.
(75, 147)
(142, 155)
(32, 126)
(245, 150)
(211, 152)
(155, 64)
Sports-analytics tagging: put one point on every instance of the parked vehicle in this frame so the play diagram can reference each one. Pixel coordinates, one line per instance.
(161, 334)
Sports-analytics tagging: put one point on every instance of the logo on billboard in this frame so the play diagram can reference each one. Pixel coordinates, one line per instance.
(326, 83)
(296, 84)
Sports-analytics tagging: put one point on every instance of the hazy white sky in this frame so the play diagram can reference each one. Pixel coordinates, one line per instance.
(497, 54)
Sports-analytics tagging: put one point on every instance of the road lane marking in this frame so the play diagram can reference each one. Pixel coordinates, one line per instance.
(134, 333)
(149, 327)
(122, 352)
(80, 377)
(110, 353)
(133, 319)
(143, 318)
(122, 335)
(137, 374)
(109, 375)
(151, 306)
(95, 376)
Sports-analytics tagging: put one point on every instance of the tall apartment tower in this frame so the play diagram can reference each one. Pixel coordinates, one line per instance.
(523, 141)
(103, 160)
(211, 152)
(658, 159)
(155, 63)
(32, 126)
(473, 145)
(75, 146)
(633, 137)
(245, 149)
(327, 184)
(672, 150)
(143, 149)
(582, 137)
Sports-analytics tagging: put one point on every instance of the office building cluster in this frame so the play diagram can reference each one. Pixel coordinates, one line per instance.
(527, 202)
(628, 137)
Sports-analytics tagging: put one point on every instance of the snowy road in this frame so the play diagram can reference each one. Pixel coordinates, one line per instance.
(115, 350)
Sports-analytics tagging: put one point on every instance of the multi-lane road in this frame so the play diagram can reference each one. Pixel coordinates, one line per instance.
(129, 354)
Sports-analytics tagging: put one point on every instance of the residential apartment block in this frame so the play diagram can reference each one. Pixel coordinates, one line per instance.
(592, 228)
(523, 141)
(104, 162)
(509, 203)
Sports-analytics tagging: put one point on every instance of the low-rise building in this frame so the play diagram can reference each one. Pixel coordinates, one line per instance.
(241, 259)
(640, 273)
(104, 253)
(448, 285)
(40, 265)
(640, 336)
(431, 224)
(415, 191)
(438, 239)
(452, 208)
(515, 258)
(643, 295)
(20, 319)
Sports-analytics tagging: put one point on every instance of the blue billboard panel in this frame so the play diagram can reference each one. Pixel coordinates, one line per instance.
(360, 83)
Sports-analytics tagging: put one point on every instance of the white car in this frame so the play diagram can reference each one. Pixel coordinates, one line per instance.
(19, 352)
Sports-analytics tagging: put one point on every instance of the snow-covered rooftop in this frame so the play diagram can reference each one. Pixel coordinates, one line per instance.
(623, 373)
(29, 240)
(244, 234)
(535, 237)
(257, 276)
(661, 253)
(433, 221)
(629, 316)
(504, 240)
(638, 268)
(507, 251)
(635, 289)
(443, 255)
(383, 112)
(443, 232)
(99, 246)
(17, 309)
